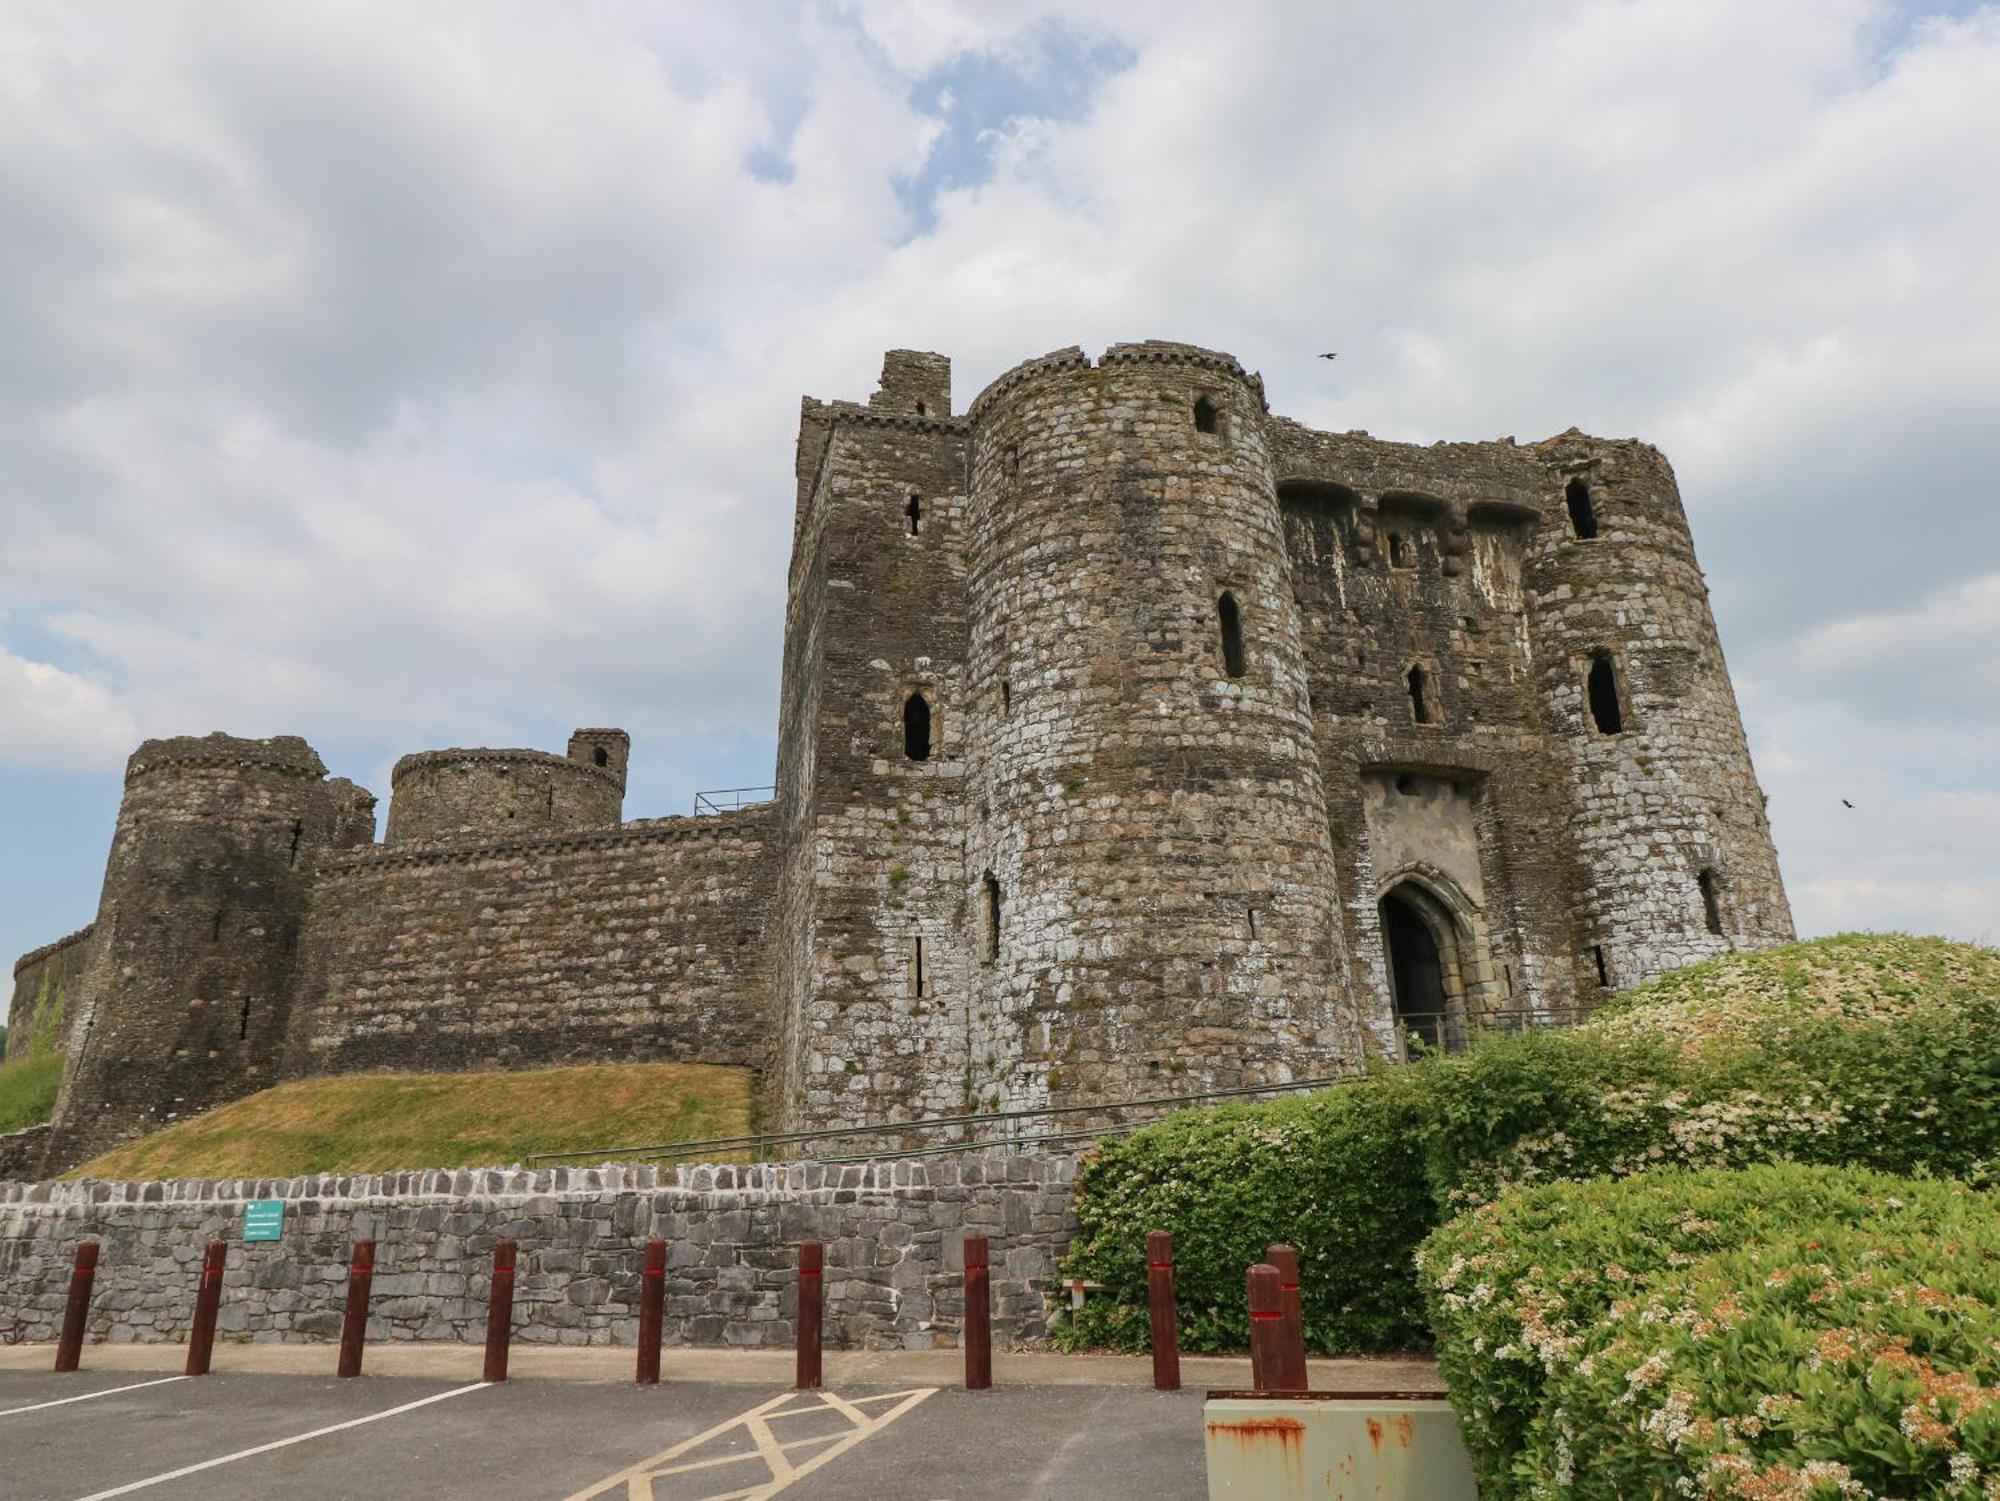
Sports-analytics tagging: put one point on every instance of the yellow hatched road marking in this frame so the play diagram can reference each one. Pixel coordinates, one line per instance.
(636, 1481)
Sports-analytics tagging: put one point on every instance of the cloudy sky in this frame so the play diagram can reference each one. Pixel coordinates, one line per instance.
(406, 376)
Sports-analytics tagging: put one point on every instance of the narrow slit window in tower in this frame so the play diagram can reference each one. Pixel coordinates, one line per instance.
(601, 756)
(292, 856)
(915, 512)
(1253, 924)
(1006, 695)
(1422, 710)
(215, 927)
(923, 409)
(1205, 420)
(1711, 901)
(1603, 688)
(1230, 618)
(916, 728)
(1603, 969)
(990, 911)
(1400, 554)
(1582, 514)
(243, 1020)
(917, 967)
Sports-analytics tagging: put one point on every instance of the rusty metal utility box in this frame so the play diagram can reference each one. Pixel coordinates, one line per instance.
(1307, 1446)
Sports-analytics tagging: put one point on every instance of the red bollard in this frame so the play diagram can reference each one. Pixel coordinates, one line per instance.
(207, 1303)
(354, 1325)
(1165, 1317)
(1267, 1327)
(652, 1302)
(1292, 1377)
(500, 1312)
(978, 1316)
(69, 1350)
(812, 1309)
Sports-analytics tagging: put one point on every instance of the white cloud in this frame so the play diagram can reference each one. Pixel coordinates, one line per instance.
(398, 374)
(53, 718)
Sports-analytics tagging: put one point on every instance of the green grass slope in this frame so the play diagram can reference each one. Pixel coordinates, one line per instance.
(371, 1123)
(28, 1090)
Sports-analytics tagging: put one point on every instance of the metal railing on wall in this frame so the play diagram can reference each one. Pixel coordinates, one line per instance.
(728, 799)
(1066, 1124)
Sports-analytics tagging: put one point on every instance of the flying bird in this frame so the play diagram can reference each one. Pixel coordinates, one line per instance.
(1329, 356)
(1845, 803)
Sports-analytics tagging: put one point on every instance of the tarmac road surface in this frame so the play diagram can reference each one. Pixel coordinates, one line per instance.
(721, 1426)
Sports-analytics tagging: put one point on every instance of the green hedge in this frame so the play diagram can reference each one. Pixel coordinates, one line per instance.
(1776, 1331)
(1338, 1175)
(1873, 1050)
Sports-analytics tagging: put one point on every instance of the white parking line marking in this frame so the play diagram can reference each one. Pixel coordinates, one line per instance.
(109, 1391)
(283, 1443)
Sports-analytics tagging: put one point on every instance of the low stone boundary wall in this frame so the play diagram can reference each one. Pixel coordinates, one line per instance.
(893, 1233)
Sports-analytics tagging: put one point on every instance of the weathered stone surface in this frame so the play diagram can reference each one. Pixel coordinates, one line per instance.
(731, 1256)
(1132, 740)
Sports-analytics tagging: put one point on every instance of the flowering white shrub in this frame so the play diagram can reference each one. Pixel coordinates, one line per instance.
(1839, 1359)
(1567, 1311)
(1875, 1050)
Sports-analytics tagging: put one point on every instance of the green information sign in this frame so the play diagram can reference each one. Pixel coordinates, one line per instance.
(264, 1219)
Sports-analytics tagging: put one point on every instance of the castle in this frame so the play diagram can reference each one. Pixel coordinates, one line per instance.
(1132, 741)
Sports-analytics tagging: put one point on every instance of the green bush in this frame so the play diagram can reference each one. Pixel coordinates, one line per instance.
(1338, 1175)
(1873, 1050)
(1520, 1291)
(28, 1090)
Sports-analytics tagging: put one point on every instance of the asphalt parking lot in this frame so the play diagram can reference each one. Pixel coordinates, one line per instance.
(99, 1434)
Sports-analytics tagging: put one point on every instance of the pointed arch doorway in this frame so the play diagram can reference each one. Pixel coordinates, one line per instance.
(1428, 949)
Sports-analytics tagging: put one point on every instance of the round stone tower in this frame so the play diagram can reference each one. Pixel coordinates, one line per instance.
(1151, 884)
(184, 1003)
(1666, 817)
(499, 794)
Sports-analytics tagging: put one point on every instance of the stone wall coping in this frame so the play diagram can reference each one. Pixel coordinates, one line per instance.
(1149, 352)
(638, 831)
(481, 756)
(68, 940)
(699, 1181)
(1070, 357)
(867, 416)
(287, 755)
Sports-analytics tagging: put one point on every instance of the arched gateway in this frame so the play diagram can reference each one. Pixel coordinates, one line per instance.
(1430, 953)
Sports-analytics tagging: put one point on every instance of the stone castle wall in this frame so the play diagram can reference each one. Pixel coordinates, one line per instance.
(185, 997)
(500, 794)
(1242, 745)
(1673, 793)
(893, 1233)
(41, 1013)
(651, 941)
(871, 1025)
(1151, 822)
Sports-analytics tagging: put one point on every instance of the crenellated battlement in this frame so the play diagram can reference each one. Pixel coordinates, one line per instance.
(49, 950)
(286, 755)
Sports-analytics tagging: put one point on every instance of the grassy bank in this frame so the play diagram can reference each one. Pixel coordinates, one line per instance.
(361, 1123)
(28, 1090)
